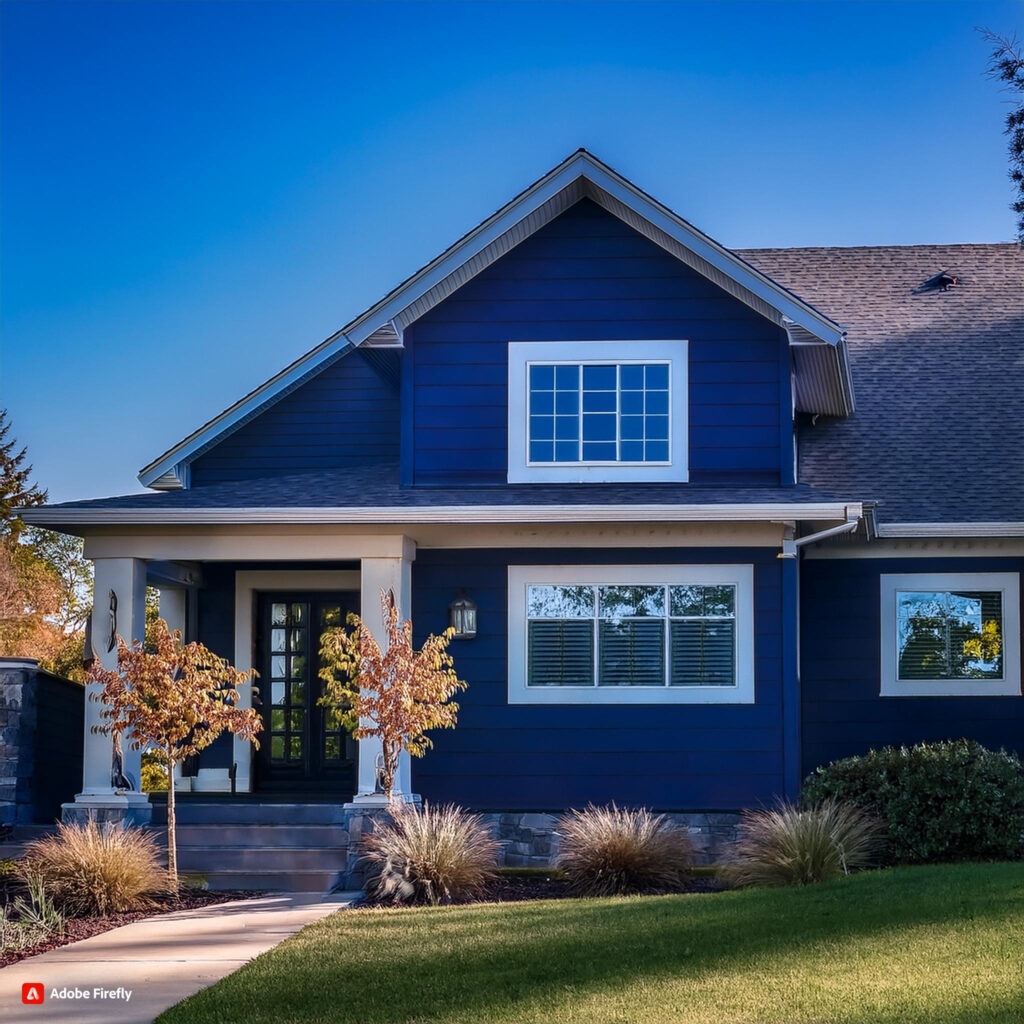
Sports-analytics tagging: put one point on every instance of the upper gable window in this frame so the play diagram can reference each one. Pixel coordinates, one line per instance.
(585, 411)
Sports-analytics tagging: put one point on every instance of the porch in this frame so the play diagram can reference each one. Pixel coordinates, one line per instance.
(262, 601)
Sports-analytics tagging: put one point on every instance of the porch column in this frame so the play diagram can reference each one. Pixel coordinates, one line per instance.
(174, 611)
(119, 608)
(387, 574)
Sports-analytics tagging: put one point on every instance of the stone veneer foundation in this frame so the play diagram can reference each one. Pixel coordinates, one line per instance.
(529, 839)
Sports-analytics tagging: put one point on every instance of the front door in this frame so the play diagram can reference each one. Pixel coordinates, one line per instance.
(303, 747)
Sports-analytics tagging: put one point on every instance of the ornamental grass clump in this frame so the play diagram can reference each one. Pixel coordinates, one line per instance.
(86, 870)
(787, 845)
(430, 855)
(609, 851)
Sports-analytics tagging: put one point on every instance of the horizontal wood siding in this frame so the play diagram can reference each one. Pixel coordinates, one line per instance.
(587, 276)
(347, 415)
(843, 713)
(670, 756)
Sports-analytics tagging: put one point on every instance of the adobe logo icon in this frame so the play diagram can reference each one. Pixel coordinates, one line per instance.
(32, 992)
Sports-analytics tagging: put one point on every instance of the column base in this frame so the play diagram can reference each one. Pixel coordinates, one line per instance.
(124, 809)
(364, 801)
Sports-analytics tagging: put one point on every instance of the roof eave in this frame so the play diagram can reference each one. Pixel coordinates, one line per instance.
(450, 514)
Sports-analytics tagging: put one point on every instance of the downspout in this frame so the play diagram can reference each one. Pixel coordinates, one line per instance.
(789, 547)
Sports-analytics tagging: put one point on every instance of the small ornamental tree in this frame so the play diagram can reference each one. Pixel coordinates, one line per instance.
(397, 694)
(176, 697)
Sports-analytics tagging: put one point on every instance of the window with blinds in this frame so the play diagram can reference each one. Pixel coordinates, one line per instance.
(950, 634)
(624, 635)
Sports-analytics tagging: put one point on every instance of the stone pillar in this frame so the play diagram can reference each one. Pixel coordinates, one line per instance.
(125, 612)
(173, 610)
(387, 574)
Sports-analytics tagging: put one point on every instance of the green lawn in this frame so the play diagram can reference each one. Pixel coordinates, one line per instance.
(943, 945)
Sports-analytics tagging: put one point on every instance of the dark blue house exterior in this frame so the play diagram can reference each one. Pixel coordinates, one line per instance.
(724, 516)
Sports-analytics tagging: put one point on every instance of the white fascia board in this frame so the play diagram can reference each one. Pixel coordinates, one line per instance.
(1009, 529)
(663, 513)
(561, 177)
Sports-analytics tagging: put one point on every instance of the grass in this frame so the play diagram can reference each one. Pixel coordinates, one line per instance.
(921, 945)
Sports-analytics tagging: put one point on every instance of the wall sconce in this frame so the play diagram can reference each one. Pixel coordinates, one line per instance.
(462, 617)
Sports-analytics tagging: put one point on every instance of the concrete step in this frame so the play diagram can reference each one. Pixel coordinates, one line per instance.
(271, 881)
(260, 858)
(264, 836)
(193, 812)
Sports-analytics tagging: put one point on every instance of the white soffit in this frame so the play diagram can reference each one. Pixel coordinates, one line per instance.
(581, 175)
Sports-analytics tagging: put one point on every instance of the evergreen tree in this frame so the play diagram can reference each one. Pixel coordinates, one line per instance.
(1007, 65)
(16, 489)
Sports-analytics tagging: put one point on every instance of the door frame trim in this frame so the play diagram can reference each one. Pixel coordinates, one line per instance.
(247, 585)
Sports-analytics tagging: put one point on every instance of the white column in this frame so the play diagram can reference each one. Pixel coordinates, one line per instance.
(173, 610)
(387, 574)
(120, 606)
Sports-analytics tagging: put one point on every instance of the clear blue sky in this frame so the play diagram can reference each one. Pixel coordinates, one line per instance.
(196, 193)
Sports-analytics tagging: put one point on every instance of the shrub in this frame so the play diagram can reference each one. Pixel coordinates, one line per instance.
(789, 846)
(954, 800)
(431, 855)
(608, 851)
(27, 924)
(86, 870)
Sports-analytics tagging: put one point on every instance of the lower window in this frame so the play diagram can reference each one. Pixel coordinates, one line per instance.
(950, 634)
(640, 634)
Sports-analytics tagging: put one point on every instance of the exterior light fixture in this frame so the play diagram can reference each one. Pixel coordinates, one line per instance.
(462, 617)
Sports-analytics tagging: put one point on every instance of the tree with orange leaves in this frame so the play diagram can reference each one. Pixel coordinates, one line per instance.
(178, 697)
(397, 694)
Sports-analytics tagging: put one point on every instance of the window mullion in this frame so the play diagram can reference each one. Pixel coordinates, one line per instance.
(597, 638)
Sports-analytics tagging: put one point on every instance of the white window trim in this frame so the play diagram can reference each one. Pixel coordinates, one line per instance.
(521, 353)
(1008, 583)
(522, 576)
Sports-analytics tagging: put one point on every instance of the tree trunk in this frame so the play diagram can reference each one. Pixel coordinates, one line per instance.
(172, 838)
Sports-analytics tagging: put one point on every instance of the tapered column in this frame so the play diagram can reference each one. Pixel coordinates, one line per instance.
(119, 609)
(393, 575)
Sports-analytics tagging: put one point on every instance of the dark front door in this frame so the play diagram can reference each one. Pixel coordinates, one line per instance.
(303, 747)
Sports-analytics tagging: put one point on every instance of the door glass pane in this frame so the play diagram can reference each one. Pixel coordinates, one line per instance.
(295, 748)
(277, 720)
(298, 720)
(298, 614)
(278, 614)
(277, 639)
(297, 640)
(277, 747)
(277, 666)
(277, 693)
(298, 692)
(298, 667)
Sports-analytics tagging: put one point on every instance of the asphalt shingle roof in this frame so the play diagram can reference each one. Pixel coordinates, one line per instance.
(938, 435)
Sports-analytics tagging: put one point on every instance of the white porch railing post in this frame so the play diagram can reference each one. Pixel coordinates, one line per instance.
(387, 574)
(119, 607)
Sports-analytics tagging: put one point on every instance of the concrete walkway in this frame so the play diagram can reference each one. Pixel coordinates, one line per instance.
(160, 960)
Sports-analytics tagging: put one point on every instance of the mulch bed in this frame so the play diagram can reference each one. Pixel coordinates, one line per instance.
(521, 888)
(78, 928)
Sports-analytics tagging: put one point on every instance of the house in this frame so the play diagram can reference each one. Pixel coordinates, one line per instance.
(723, 516)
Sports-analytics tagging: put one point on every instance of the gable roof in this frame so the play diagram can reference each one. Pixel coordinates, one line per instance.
(823, 381)
(938, 436)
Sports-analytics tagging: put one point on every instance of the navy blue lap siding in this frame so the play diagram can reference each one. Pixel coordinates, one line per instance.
(588, 276)
(670, 756)
(347, 415)
(843, 713)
